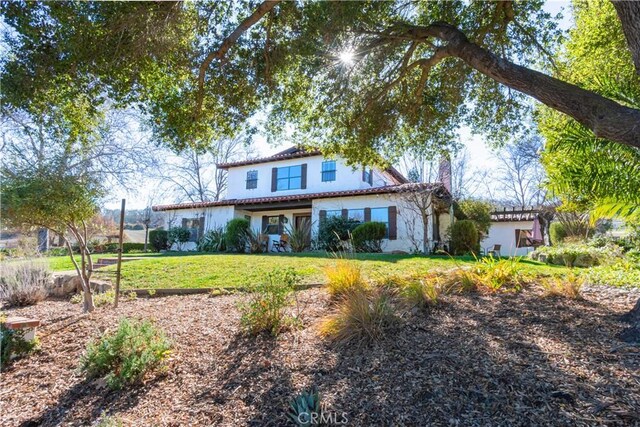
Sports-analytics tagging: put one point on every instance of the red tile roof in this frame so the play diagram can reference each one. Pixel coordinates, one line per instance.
(438, 188)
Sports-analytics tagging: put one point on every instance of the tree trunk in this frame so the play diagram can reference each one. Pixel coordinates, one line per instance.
(606, 118)
(87, 297)
(629, 15)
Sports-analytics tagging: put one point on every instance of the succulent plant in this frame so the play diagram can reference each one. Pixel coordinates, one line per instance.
(304, 409)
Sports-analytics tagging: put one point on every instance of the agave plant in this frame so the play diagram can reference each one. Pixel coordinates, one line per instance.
(305, 409)
(213, 241)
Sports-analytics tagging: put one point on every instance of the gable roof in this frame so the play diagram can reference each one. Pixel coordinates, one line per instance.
(437, 188)
(296, 153)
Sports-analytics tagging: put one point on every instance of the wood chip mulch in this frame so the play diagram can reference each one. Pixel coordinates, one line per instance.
(486, 360)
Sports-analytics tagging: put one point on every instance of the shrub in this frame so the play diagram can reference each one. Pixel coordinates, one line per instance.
(265, 309)
(368, 237)
(236, 234)
(342, 277)
(333, 232)
(99, 299)
(568, 287)
(213, 241)
(361, 317)
(418, 291)
(24, 283)
(578, 254)
(299, 237)
(479, 212)
(254, 243)
(126, 355)
(13, 345)
(159, 239)
(464, 237)
(305, 409)
(494, 274)
(178, 236)
(557, 233)
(624, 273)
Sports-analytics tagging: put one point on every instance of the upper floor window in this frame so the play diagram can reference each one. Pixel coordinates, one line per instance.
(328, 170)
(252, 179)
(289, 178)
(367, 175)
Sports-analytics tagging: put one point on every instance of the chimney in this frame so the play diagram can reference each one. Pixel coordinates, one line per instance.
(444, 172)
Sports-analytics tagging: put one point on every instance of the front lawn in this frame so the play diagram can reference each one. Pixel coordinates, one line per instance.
(188, 270)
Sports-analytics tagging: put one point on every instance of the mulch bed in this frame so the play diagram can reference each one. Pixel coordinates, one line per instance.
(510, 359)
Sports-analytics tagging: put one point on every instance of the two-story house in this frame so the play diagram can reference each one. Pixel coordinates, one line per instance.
(297, 187)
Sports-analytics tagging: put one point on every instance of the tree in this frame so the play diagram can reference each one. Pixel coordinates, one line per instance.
(521, 174)
(60, 202)
(355, 77)
(478, 212)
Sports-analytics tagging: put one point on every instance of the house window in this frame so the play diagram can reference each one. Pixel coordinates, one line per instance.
(193, 225)
(333, 213)
(356, 215)
(273, 225)
(367, 175)
(252, 179)
(381, 215)
(289, 178)
(328, 171)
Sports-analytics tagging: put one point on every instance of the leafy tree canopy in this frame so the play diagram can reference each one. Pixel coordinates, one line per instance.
(585, 171)
(359, 78)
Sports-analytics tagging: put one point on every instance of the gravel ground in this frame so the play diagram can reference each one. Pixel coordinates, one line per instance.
(490, 360)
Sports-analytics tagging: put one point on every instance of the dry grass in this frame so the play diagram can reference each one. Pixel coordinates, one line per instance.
(418, 290)
(344, 277)
(567, 287)
(360, 318)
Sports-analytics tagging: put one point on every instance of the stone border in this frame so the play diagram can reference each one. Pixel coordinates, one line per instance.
(165, 292)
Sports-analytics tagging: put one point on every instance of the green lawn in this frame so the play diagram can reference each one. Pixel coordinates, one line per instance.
(190, 270)
(63, 263)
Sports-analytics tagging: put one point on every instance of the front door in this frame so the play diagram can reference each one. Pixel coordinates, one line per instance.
(303, 223)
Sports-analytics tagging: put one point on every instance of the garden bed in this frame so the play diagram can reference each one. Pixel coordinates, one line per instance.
(473, 360)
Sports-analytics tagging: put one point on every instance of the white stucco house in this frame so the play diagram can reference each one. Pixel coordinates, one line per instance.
(513, 230)
(296, 186)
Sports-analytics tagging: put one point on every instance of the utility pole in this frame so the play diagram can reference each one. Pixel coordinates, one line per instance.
(117, 295)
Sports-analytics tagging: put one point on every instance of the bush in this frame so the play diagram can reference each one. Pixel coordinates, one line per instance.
(578, 255)
(212, 241)
(343, 277)
(236, 234)
(361, 317)
(159, 239)
(299, 237)
(178, 236)
(368, 237)
(464, 237)
(13, 345)
(624, 273)
(24, 283)
(334, 231)
(494, 274)
(126, 355)
(568, 287)
(254, 242)
(418, 291)
(480, 213)
(265, 309)
(557, 233)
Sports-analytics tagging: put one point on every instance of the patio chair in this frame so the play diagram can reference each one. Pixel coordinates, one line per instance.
(495, 251)
(281, 245)
(264, 242)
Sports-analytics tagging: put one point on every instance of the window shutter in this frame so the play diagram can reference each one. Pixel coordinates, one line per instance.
(184, 222)
(393, 223)
(364, 178)
(303, 179)
(265, 223)
(280, 224)
(274, 179)
(367, 214)
(371, 177)
(322, 215)
(345, 213)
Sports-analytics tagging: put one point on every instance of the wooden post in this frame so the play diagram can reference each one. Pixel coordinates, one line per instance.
(117, 295)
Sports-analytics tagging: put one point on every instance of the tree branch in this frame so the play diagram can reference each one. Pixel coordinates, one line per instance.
(220, 53)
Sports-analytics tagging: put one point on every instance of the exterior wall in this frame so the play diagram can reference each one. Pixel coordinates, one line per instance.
(410, 231)
(214, 217)
(256, 220)
(504, 233)
(347, 178)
